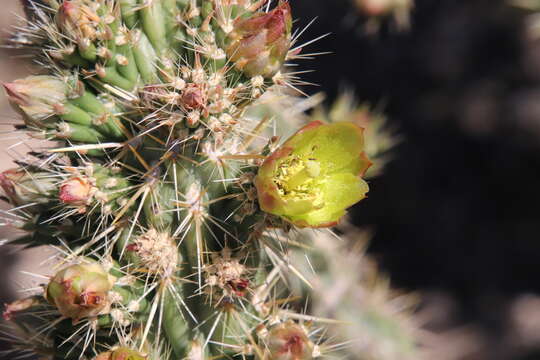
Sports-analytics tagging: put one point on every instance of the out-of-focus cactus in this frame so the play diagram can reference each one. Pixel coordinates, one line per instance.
(532, 20)
(172, 203)
(379, 9)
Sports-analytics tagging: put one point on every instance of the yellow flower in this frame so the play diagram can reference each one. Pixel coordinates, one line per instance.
(315, 175)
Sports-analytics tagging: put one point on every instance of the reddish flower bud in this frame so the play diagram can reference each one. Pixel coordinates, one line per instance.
(384, 7)
(37, 97)
(193, 97)
(23, 187)
(78, 19)
(260, 43)
(76, 191)
(79, 291)
(288, 341)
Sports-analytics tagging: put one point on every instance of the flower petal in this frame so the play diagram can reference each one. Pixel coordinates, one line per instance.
(340, 192)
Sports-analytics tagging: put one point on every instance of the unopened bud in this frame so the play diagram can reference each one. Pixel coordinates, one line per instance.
(193, 97)
(382, 7)
(23, 186)
(37, 97)
(80, 291)
(288, 341)
(260, 43)
(77, 191)
(78, 20)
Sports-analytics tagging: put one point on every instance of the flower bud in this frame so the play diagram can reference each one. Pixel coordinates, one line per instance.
(315, 175)
(121, 353)
(77, 191)
(24, 187)
(288, 341)
(382, 7)
(260, 43)
(77, 19)
(18, 306)
(193, 97)
(80, 291)
(37, 97)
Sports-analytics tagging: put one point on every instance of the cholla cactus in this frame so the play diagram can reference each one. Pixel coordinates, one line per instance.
(532, 20)
(376, 10)
(173, 209)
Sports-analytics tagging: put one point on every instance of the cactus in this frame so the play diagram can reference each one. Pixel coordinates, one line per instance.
(178, 214)
(377, 10)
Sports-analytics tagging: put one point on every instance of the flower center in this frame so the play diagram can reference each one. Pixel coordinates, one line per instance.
(296, 178)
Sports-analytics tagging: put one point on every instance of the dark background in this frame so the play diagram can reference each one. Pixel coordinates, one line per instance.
(458, 208)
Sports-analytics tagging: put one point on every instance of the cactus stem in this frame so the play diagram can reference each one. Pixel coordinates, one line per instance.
(248, 333)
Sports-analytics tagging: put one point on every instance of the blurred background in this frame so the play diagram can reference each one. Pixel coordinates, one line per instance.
(456, 214)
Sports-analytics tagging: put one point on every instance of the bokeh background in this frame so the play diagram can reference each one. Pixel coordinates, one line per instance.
(456, 214)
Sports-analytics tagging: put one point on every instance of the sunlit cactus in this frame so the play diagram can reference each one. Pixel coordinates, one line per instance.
(178, 207)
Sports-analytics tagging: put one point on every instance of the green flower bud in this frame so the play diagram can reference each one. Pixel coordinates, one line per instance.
(260, 43)
(288, 341)
(25, 187)
(37, 97)
(80, 291)
(121, 353)
(315, 176)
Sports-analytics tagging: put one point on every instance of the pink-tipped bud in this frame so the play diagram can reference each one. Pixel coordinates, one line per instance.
(288, 341)
(260, 43)
(77, 191)
(23, 187)
(80, 291)
(382, 7)
(37, 97)
(8, 181)
(19, 305)
(78, 19)
(193, 97)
